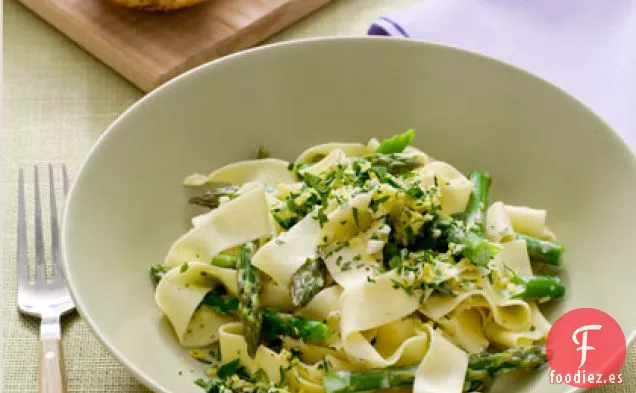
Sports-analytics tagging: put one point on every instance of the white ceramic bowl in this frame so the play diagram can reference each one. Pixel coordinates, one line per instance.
(542, 147)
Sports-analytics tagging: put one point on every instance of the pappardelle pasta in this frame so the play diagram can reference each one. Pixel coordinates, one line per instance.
(358, 267)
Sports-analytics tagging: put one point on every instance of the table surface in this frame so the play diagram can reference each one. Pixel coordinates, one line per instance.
(57, 101)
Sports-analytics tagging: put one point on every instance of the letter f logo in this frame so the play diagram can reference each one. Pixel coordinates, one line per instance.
(570, 341)
(583, 344)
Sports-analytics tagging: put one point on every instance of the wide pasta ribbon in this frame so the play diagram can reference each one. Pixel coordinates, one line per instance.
(318, 152)
(498, 226)
(442, 369)
(332, 159)
(270, 171)
(324, 305)
(179, 294)
(354, 264)
(512, 314)
(234, 223)
(514, 255)
(538, 331)
(233, 346)
(399, 340)
(465, 328)
(281, 257)
(455, 188)
(503, 220)
(370, 305)
(348, 220)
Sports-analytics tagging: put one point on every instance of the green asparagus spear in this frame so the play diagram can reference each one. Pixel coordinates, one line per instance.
(530, 357)
(538, 287)
(474, 247)
(467, 229)
(396, 144)
(482, 368)
(479, 250)
(395, 163)
(369, 380)
(281, 324)
(446, 230)
(274, 323)
(250, 311)
(212, 197)
(308, 280)
(542, 250)
(224, 260)
(538, 249)
(476, 209)
(223, 304)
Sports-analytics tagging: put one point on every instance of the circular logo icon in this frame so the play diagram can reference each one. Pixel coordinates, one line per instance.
(586, 348)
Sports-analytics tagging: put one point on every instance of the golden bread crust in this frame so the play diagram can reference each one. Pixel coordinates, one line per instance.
(157, 5)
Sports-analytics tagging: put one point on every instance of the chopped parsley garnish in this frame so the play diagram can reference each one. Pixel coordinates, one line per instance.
(232, 368)
(395, 262)
(324, 364)
(316, 183)
(389, 180)
(380, 201)
(291, 205)
(262, 153)
(406, 288)
(354, 211)
(157, 272)
(322, 217)
(415, 192)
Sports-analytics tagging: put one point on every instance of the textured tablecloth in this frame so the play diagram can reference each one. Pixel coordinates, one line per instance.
(57, 101)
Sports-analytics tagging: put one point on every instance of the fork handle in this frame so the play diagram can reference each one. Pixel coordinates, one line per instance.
(51, 378)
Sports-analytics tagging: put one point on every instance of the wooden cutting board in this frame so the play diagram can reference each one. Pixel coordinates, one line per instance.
(151, 48)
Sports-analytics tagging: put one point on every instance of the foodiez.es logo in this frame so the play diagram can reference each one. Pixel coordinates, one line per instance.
(586, 348)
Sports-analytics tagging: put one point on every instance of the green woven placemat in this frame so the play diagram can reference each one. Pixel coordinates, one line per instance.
(57, 101)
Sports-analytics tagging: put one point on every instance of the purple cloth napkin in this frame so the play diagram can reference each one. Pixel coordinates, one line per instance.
(586, 47)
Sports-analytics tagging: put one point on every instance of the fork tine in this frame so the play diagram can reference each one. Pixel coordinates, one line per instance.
(40, 264)
(55, 233)
(22, 257)
(65, 179)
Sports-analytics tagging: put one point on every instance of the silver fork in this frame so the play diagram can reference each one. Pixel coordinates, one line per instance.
(44, 297)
